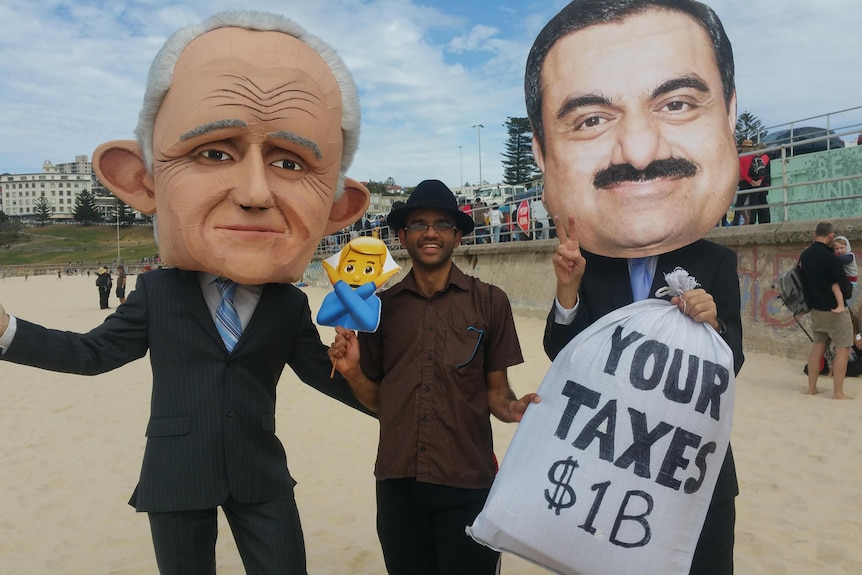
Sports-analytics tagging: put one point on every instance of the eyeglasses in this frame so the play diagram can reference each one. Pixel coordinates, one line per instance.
(440, 227)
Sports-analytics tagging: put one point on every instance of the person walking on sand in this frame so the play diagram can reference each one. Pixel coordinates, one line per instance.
(103, 283)
(121, 284)
(830, 319)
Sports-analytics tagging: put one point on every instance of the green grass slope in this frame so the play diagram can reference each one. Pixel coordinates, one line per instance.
(59, 244)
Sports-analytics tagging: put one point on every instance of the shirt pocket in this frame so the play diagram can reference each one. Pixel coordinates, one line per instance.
(465, 346)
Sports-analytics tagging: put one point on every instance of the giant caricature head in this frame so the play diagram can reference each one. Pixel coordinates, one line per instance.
(248, 127)
(633, 109)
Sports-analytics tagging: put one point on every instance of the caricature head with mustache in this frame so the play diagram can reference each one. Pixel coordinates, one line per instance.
(633, 108)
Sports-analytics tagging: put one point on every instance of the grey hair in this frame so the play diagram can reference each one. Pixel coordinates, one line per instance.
(162, 70)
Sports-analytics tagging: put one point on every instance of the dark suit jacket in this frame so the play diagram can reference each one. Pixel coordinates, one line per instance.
(211, 431)
(606, 287)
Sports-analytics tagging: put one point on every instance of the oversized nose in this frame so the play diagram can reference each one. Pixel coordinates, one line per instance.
(639, 141)
(252, 189)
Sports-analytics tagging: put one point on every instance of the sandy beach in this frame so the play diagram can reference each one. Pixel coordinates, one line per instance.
(71, 448)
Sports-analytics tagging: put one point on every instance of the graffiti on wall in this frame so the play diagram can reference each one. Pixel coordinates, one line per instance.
(758, 268)
(813, 167)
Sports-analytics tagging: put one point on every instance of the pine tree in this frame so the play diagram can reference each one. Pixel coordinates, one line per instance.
(519, 165)
(749, 127)
(42, 210)
(127, 214)
(85, 210)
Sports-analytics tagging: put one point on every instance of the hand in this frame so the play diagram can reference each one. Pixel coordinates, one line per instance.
(4, 319)
(344, 352)
(569, 265)
(699, 306)
(517, 407)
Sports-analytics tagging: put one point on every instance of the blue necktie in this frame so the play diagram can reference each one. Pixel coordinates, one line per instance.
(640, 278)
(227, 320)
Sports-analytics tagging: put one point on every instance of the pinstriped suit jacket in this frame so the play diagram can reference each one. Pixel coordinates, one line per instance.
(211, 431)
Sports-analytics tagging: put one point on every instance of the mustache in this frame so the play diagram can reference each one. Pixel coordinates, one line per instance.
(622, 173)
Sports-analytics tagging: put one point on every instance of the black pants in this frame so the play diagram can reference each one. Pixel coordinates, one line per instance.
(104, 293)
(422, 529)
(268, 536)
(760, 215)
(714, 552)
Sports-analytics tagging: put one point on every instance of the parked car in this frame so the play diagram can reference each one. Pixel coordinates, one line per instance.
(800, 138)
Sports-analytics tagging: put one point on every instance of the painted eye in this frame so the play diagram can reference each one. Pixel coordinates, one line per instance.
(677, 106)
(288, 165)
(591, 122)
(349, 268)
(215, 155)
(369, 270)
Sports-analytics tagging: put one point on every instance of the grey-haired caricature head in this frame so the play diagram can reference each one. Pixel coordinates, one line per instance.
(248, 127)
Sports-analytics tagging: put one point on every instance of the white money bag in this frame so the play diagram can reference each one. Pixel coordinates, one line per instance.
(613, 472)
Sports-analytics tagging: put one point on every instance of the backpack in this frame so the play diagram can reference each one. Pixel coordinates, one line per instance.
(757, 169)
(792, 292)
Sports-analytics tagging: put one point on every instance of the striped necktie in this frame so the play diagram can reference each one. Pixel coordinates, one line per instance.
(227, 320)
(640, 278)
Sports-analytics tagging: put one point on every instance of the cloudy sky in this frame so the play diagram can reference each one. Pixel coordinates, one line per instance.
(72, 72)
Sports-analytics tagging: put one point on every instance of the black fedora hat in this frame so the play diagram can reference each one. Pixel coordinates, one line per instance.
(431, 194)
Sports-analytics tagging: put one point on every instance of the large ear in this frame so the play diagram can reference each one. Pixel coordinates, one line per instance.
(349, 208)
(538, 155)
(121, 168)
(731, 113)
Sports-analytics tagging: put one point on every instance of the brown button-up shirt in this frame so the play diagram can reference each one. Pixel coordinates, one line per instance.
(430, 356)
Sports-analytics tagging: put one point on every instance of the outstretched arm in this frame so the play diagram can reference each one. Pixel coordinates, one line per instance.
(4, 320)
(344, 353)
(502, 400)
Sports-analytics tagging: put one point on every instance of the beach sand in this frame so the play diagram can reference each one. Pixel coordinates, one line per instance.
(71, 448)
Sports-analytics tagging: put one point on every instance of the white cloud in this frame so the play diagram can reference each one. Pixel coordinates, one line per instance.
(73, 73)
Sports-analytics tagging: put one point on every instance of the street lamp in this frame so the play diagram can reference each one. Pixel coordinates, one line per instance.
(118, 231)
(479, 136)
(461, 169)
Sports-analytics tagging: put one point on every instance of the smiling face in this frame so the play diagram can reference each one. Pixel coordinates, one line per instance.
(639, 144)
(247, 146)
(429, 249)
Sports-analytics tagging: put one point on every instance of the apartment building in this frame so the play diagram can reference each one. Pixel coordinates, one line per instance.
(60, 184)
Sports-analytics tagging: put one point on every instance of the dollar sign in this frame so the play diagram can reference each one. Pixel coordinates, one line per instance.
(564, 496)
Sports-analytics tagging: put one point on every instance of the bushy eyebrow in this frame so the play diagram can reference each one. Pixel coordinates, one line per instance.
(577, 102)
(691, 81)
(297, 139)
(212, 127)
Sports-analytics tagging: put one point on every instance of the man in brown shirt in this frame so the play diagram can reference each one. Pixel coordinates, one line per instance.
(434, 371)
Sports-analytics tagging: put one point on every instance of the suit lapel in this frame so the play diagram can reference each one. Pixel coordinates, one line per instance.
(267, 294)
(613, 285)
(190, 291)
